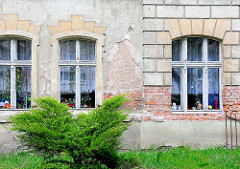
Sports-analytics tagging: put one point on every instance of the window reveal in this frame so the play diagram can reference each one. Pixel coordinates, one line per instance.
(77, 73)
(196, 74)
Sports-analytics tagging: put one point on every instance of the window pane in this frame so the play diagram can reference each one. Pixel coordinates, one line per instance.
(24, 50)
(23, 87)
(5, 50)
(195, 88)
(213, 50)
(176, 50)
(68, 85)
(87, 87)
(176, 89)
(5, 84)
(194, 49)
(87, 49)
(68, 50)
(213, 88)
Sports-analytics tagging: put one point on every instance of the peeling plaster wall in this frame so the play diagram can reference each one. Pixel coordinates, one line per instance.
(122, 18)
(124, 74)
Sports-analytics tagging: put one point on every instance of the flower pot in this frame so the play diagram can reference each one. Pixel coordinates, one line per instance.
(8, 106)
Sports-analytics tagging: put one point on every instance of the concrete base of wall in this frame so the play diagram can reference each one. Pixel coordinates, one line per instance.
(145, 134)
(8, 140)
(176, 133)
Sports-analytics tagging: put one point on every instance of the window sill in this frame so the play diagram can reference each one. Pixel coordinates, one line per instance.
(198, 112)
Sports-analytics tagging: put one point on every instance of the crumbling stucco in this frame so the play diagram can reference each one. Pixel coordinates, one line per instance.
(124, 73)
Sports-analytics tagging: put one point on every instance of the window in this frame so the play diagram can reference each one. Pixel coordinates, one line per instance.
(77, 73)
(196, 67)
(15, 73)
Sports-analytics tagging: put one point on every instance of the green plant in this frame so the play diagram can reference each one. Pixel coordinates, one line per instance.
(91, 139)
(44, 128)
(94, 138)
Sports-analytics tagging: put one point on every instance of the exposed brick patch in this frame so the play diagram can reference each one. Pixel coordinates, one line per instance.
(135, 97)
(157, 103)
(231, 99)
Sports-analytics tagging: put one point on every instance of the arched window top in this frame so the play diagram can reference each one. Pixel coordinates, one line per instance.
(77, 49)
(196, 49)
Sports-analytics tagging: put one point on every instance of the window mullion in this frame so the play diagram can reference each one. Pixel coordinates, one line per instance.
(184, 90)
(13, 87)
(205, 74)
(184, 73)
(78, 95)
(78, 89)
(205, 88)
(13, 73)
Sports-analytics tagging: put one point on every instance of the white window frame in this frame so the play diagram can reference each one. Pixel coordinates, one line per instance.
(204, 64)
(13, 63)
(78, 63)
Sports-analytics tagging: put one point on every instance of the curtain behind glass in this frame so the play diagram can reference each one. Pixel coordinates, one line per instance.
(5, 84)
(5, 49)
(24, 50)
(176, 50)
(68, 85)
(213, 50)
(213, 88)
(176, 89)
(68, 50)
(195, 88)
(194, 49)
(23, 87)
(88, 86)
(87, 50)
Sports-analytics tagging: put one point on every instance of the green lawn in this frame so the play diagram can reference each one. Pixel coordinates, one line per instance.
(171, 158)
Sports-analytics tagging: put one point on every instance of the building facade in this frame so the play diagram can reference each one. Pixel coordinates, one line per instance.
(178, 61)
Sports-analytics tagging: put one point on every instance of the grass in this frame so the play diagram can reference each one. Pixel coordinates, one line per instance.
(170, 158)
(21, 160)
(188, 158)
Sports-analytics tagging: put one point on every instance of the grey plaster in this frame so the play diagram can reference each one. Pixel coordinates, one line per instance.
(8, 140)
(118, 16)
(178, 133)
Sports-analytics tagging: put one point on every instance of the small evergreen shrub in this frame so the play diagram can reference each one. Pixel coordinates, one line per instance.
(91, 139)
(44, 128)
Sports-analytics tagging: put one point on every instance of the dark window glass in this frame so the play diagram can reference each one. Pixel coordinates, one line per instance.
(194, 49)
(213, 50)
(24, 50)
(5, 84)
(176, 89)
(23, 87)
(68, 85)
(176, 50)
(68, 50)
(195, 88)
(5, 49)
(87, 81)
(87, 50)
(213, 89)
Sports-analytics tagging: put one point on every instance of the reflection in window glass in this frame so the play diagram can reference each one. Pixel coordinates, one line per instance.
(213, 89)
(23, 87)
(176, 50)
(5, 84)
(213, 50)
(87, 87)
(5, 49)
(195, 88)
(68, 85)
(87, 49)
(68, 50)
(24, 50)
(176, 89)
(194, 49)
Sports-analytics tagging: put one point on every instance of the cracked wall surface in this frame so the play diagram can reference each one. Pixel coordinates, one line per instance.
(119, 17)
